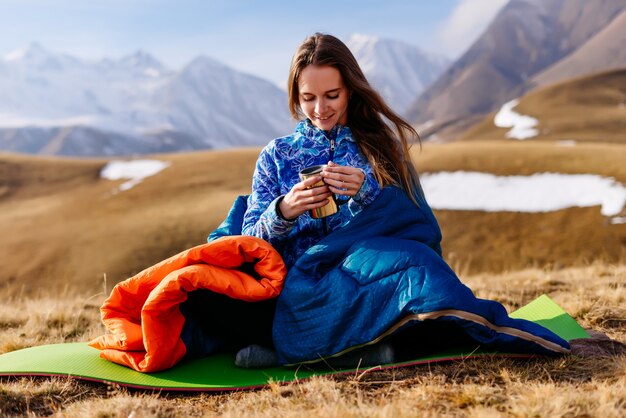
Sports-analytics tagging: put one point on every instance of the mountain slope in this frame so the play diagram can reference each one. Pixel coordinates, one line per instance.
(224, 107)
(132, 105)
(65, 226)
(525, 38)
(399, 71)
(590, 108)
(602, 52)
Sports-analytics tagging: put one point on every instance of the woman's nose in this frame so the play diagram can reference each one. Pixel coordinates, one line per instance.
(320, 106)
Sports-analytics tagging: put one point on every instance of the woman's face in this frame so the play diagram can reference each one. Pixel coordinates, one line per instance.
(323, 96)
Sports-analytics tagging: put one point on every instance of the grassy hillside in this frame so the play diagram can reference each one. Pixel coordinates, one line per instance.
(590, 108)
(63, 227)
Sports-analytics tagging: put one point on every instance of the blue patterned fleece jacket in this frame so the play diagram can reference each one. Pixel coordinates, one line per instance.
(276, 173)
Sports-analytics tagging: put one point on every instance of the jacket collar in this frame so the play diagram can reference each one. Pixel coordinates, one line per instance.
(338, 133)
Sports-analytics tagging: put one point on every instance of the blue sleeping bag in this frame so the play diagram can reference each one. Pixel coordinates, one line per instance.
(381, 274)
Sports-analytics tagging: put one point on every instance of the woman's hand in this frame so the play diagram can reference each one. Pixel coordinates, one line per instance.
(343, 180)
(302, 198)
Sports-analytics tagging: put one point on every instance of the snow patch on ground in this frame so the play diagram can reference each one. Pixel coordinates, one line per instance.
(522, 126)
(541, 192)
(134, 171)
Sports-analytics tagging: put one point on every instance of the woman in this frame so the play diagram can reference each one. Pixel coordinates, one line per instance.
(371, 293)
(342, 124)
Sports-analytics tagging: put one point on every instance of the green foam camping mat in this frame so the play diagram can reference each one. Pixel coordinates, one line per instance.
(218, 372)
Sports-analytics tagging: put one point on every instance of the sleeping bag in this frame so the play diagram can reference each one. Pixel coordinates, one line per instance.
(144, 314)
(380, 276)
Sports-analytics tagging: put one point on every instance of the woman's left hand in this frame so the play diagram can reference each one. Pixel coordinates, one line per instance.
(342, 179)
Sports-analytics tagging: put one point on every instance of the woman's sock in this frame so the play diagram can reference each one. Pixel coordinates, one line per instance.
(371, 355)
(254, 356)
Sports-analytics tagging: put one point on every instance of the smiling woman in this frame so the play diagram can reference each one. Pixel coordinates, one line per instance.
(351, 135)
(343, 128)
(362, 277)
(361, 146)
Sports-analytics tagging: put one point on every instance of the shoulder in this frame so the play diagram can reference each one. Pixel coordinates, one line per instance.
(285, 146)
(277, 147)
(277, 151)
(281, 142)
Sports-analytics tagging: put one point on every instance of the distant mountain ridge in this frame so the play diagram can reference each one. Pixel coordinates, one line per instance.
(398, 70)
(57, 104)
(529, 43)
(61, 105)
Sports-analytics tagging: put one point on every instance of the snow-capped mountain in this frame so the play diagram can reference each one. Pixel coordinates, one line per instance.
(58, 104)
(398, 70)
(229, 108)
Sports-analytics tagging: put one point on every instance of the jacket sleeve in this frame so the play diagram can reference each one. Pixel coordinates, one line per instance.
(261, 218)
(367, 193)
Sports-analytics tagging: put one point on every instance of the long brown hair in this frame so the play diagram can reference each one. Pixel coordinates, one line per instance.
(383, 136)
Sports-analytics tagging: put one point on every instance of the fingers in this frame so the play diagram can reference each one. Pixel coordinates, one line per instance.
(314, 192)
(305, 196)
(343, 180)
(336, 168)
(314, 195)
(309, 183)
(344, 170)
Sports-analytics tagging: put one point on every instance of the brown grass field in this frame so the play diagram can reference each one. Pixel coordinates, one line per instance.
(64, 231)
(62, 227)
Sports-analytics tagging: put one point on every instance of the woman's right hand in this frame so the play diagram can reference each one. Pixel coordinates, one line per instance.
(301, 198)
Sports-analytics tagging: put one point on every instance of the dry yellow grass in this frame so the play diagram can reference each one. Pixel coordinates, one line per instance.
(561, 387)
(61, 220)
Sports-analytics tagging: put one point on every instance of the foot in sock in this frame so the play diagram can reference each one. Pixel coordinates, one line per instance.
(254, 356)
(367, 356)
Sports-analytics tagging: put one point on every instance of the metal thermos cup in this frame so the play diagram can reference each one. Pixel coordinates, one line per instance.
(329, 208)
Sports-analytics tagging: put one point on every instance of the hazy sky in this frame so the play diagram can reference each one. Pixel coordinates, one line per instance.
(257, 37)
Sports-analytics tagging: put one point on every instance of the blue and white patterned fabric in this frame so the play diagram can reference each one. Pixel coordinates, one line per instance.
(277, 172)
